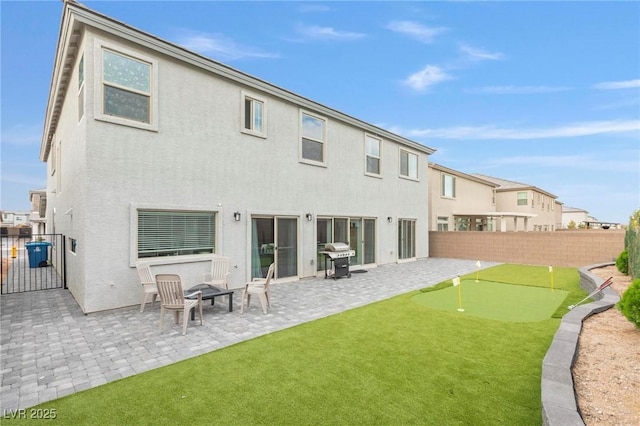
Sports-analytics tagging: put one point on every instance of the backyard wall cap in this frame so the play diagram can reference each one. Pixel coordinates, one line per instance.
(559, 406)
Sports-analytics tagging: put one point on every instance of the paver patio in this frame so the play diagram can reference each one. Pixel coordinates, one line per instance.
(50, 349)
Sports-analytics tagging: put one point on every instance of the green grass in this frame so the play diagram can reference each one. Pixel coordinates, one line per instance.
(392, 362)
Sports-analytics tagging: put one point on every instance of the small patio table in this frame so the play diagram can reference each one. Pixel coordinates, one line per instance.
(209, 292)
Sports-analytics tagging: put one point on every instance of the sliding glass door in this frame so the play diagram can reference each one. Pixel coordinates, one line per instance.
(406, 238)
(359, 233)
(274, 240)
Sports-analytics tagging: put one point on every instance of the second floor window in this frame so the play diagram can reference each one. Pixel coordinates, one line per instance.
(523, 197)
(448, 186)
(372, 155)
(408, 164)
(313, 131)
(253, 112)
(127, 87)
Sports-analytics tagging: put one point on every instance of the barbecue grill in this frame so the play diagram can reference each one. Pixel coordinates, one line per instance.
(338, 254)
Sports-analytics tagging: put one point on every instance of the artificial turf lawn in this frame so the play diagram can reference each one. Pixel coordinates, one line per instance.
(391, 362)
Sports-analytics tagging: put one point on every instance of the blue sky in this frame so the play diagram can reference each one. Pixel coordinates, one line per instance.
(544, 93)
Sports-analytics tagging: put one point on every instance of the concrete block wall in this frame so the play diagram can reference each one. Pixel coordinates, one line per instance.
(559, 248)
(559, 406)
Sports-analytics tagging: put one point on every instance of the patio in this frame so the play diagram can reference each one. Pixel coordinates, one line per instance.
(50, 349)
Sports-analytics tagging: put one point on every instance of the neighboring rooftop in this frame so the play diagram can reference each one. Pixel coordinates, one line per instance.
(509, 185)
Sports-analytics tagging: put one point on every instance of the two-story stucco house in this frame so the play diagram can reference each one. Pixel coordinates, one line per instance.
(460, 202)
(529, 207)
(463, 202)
(156, 152)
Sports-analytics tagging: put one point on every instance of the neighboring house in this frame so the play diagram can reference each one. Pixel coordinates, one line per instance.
(523, 207)
(575, 215)
(460, 202)
(155, 152)
(14, 218)
(37, 218)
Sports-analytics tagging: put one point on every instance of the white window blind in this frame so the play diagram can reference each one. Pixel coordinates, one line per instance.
(171, 233)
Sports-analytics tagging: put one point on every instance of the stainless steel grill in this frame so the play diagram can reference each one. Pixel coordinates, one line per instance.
(338, 254)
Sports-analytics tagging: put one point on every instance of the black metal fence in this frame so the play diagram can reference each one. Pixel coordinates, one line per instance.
(31, 263)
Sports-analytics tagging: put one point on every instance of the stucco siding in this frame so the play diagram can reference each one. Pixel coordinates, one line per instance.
(198, 159)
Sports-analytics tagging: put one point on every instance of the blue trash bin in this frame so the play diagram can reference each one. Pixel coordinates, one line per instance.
(38, 253)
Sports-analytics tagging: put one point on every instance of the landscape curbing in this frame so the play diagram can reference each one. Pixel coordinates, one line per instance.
(559, 406)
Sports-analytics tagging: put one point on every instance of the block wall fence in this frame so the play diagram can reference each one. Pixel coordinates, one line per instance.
(571, 248)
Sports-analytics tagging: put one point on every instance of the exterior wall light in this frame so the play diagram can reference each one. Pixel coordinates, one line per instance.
(309, 217)
(237, 216)
(389, 219)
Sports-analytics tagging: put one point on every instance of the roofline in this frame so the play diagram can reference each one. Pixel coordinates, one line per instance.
(75, 13)
(496, 214)
(461, 174)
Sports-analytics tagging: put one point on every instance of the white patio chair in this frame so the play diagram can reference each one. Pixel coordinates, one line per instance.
(148, 282)
(259, 287)
(219, 272)
(172, 298)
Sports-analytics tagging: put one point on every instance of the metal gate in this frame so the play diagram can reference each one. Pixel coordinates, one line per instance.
(31, 263)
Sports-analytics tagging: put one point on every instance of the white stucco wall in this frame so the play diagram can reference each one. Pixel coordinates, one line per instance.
(198, 159)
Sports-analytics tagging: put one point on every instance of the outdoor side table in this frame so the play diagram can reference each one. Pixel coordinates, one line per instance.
(209, 292)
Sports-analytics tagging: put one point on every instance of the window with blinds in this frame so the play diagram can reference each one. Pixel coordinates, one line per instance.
(175, 233)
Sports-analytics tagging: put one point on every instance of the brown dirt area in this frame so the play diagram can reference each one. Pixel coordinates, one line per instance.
(606, 374)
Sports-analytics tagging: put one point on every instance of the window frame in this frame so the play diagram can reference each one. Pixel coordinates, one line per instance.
(244, 96)
(443, 186)
(410, 154)
(135, 211)
(442, 223)
(519, 198)
(99, 84)
(367, 155)
(301, 138)
(81, 89)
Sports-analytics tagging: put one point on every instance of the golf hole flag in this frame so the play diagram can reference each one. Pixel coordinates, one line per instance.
(602, 286)
(456, 283)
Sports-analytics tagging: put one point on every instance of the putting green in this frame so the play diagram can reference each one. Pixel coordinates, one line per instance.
(498, 301)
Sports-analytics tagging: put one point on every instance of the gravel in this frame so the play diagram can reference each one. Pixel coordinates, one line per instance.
(606, 374)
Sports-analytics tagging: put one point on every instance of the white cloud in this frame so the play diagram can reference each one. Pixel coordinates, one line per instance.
(476, 54)
(315, 32)
(415, 30)
(612, 85)
(219, 46)
(497, 133)
(313, 8)
(21, 134)
(427, 77)
(517, 90)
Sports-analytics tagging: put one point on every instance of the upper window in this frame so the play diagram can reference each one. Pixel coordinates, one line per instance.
(253, 115)
(127, 87)
(81, 88)
(372, 155)
(408, 164)
(126, 93)
(523, 197)
(175, 233)
(448, 186)
(314, 133)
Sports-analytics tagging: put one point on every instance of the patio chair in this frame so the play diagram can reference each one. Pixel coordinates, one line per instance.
(148, 282)
(219, 272)
(172, 298)
(259, 287)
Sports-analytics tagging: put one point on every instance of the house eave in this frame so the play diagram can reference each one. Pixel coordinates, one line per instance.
(76, 14)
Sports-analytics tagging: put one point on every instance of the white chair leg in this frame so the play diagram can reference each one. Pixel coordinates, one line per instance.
(161, 317)
(144, 301)
(185, 320)
(263, 302)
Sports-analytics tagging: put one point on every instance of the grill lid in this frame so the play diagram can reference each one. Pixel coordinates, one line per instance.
(336, 247)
